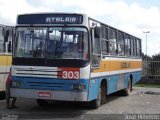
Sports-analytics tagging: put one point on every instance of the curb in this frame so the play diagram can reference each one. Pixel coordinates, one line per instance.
(151, 92)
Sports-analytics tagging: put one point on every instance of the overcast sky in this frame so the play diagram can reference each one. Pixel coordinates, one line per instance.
(132, 16)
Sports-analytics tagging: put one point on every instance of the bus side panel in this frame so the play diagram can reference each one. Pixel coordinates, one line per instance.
(2, 71)
(1, 80)
(112, 84)
(5, 63)
(126, 79)
(8, 65)
(93, 88)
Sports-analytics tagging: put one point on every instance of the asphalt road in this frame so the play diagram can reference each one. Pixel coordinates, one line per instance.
(117, 107)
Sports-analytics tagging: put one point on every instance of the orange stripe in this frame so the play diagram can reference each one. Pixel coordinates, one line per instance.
(113, 65)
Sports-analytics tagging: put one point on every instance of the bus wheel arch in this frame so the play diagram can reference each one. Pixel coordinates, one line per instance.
(103, 87)
(101, 98)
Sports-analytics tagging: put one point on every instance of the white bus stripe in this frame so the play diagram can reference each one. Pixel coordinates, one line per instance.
(114, 72)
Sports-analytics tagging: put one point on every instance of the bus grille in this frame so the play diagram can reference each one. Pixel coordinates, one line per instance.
(42, 72)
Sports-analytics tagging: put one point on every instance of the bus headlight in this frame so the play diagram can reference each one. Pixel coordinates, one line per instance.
(16, 84)
(79, 87)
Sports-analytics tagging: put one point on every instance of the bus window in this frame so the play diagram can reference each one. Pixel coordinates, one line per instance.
(103, 31)
(1, 46)
(96, 51)
(139, 47)
(132, 46)
(135, 47)
(31, 42)
(112, 41)
(121, 45)
(9, 47)
(1, 41)
(6, 36)
(10, 37)
(68, 43)
(104, 40)
(127, 45)
(104, 46)
(106, 33)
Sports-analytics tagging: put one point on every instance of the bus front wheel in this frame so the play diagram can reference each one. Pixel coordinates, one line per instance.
(101, 99)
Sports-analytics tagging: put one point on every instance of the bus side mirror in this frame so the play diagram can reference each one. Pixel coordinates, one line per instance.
(97, 32)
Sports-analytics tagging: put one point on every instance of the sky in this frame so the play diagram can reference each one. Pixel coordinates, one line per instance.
(131, 16)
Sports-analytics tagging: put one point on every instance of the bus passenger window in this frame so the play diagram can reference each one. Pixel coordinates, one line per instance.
(104, 47)
(138, 48)
(1, 46)
(1, 41)
(113, 41)
(113, 48)
(121, 45)
(127, 45)
(121, 49)
(135, 47)
(9, 46)
(104, 40)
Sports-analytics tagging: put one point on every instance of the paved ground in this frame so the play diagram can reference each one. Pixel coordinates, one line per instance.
(137, 103)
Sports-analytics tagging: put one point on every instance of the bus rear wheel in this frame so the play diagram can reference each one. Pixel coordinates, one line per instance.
(127, 91)
(101, 99)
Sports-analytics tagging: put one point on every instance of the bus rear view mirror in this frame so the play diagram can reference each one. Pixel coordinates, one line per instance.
(97, 32)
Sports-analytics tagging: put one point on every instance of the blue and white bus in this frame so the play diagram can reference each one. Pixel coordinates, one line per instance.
(72, 57)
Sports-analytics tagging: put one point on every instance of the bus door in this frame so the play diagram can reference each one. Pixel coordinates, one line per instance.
(96, 51)
(95, 63)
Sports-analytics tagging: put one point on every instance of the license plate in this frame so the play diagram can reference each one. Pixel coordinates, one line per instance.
(44, 94)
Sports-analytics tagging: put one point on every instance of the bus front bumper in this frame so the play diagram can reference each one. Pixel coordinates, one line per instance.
(49, 94)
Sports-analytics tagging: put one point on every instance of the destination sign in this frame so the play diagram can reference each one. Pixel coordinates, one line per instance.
(50, 19)
(61, 19)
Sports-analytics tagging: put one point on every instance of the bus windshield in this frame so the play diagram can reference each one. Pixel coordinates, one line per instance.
(51, 42)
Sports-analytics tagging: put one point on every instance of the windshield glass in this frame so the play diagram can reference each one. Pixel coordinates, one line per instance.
(30, 42)
(52, 42)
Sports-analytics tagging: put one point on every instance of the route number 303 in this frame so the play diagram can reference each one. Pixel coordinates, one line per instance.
(70, 74)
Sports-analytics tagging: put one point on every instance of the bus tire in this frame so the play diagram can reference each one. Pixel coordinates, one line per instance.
(103, 93)
(127, 91)
(41, 102)
(101, 99)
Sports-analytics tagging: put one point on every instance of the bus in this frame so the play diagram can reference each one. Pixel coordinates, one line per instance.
(6, 35)
(72, 57)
